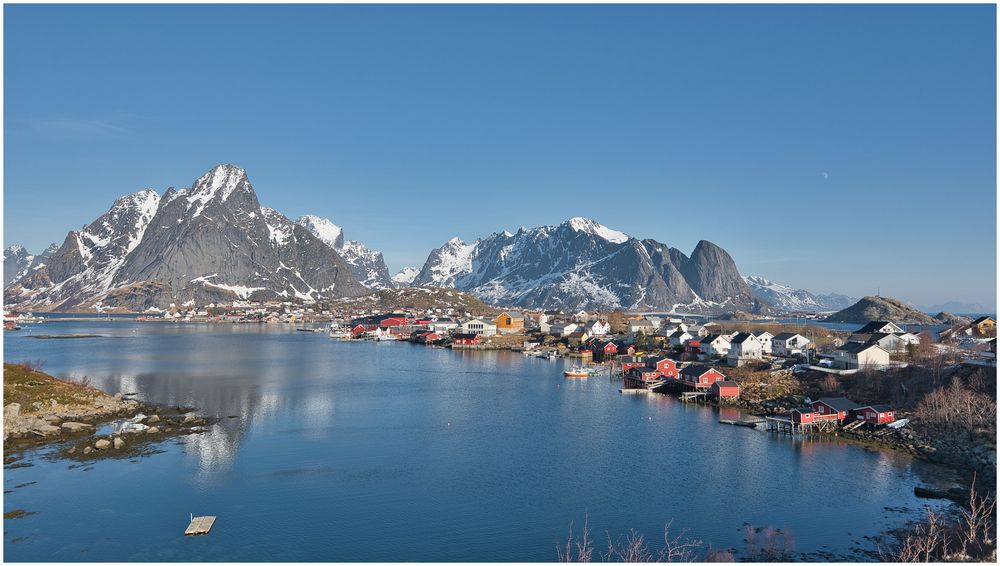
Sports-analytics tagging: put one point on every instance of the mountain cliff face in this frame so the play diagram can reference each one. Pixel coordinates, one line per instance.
(367, 265)
(787, 299)
(583, 264)
(210, 243)
(17, 262)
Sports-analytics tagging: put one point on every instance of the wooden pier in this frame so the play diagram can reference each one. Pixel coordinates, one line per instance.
(785, 425)
(689, 396)
(200, 525)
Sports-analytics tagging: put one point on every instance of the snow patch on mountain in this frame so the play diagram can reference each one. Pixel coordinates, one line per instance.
(367, 265)
(589, 226)
(787, 299)
(404, 277)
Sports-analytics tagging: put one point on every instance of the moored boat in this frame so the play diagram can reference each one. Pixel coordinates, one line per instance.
(578, 371)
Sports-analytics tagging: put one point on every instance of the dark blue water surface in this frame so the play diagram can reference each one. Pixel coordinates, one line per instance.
(361, 451)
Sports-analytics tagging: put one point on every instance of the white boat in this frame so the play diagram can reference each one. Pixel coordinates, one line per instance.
(578, 371)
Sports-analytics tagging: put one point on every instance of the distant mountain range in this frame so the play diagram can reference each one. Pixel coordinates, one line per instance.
(787, 299)
(212, 242)
(583, 264)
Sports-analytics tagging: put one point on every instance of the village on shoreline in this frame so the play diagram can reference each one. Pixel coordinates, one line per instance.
(791, 378)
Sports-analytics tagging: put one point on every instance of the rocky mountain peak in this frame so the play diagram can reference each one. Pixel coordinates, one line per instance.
(588, 226)
(328, 232)
(217, 186)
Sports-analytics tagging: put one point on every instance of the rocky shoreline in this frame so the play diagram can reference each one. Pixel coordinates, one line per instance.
(90, 422)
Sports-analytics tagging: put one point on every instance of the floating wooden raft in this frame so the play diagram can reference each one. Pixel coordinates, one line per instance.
(200, 525)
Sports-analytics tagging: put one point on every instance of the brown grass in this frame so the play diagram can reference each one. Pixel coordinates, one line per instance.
(24, 384)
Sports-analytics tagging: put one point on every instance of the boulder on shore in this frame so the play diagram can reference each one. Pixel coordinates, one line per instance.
(72, 426)
(102, 444)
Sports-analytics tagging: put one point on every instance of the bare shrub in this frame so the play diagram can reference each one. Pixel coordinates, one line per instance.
(631, 547)
(33, 365)
(957, 405)
(583, 545)
(830, 384)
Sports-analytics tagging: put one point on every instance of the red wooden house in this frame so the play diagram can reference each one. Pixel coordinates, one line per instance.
(839, 407)
(393, 321)
(701, 376)
(465, 339)
(629, 362)
(640, 378)
(666, 366)
(360, 329)
(604, 349)
(725, 390)
(875, 414)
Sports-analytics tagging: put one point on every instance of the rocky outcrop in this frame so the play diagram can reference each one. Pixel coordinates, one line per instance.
(881, 308)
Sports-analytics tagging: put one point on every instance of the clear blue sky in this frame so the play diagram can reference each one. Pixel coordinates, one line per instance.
(833, 148)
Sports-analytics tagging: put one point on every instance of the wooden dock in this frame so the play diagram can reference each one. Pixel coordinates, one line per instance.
(200, 525)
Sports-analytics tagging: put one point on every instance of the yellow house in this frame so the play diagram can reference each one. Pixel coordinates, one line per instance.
(984, 326)
(509, 322)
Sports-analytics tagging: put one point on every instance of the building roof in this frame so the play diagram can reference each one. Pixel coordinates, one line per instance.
(784, 336)
(839, 403)
(727, 383)
(882, 408)
(741, 337)
(513, 314)
(697, 369)
(874, 326)
(983, 319)
(856, 347)
(713, 337)
(464, 336)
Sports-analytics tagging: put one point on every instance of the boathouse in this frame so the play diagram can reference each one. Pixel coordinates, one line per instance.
(629, 362)
(466, 339)
(640, 378)
(701, 376)
(666, 366)
(725, 390)
(875, 414)
(839, 407)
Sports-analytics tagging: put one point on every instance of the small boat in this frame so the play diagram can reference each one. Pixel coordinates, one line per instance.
(578, 371)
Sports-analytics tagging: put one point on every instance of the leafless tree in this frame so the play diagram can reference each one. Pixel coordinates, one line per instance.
(583, 545)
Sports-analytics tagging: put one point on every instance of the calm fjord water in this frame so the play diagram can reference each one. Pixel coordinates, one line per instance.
(363, 451)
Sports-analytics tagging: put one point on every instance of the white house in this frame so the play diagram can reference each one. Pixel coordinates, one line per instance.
(597, 328)
(582, 316)
(880, 326)
(744, 347)
(788, 344)
(642, 325)
(764, 337)
(715, 345)
(442, 325)
(855, 355)
(562, 328)
(479, 327)
(543, 323)
(680, 337)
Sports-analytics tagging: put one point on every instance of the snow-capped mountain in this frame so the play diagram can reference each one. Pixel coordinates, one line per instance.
(367, 265)
(583, 264)
(404, 277)
(212, 242)
(17, 262)
(787, 299)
